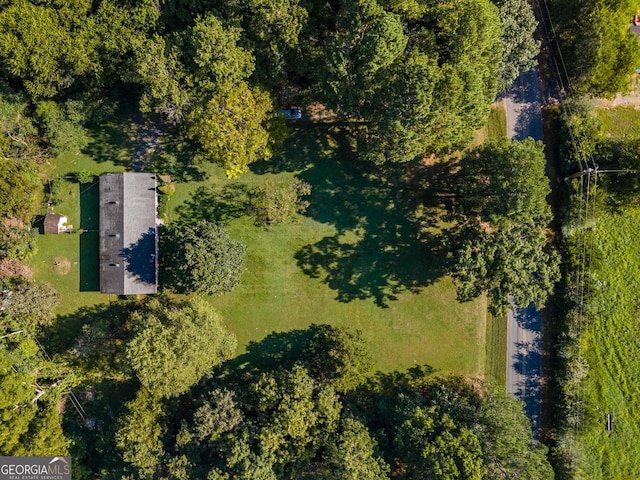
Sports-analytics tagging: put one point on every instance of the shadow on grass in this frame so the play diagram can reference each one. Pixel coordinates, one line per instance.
(108, 139)
(178, 159)
(388, 237)
(206, 203)
(276, 350)
(89, 239)
(301, 150)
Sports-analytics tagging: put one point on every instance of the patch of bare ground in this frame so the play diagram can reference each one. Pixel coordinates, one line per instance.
(61, 405)
(630, 99)
(61, 265)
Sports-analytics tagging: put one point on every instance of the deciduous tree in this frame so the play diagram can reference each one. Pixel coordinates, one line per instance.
(176, 344)
(233, 127)
(201, 257)
(502, 245)
(19, 183)
(273, 203)
(519, 47)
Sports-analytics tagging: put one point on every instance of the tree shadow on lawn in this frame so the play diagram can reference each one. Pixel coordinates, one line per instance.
(105, 321)
(207, 203)
(307, 143)
(276, 350)
(108, 140)
(388, 236)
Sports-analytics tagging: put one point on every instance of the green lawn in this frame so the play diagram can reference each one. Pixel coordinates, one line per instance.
(609, 341)
(496, 126)
(621, 122)
(610, 345)
(361, 256)
(496, 363)
(366, 254)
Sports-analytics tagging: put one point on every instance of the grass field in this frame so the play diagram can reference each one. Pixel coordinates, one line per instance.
(79, 203)
(496, 126)
(609, 343)
(621, 122)
(360, 256)
(496, 359)
(366, 253)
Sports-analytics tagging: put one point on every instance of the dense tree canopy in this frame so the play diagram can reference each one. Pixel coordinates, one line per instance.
(423, 82)
(233, 127)
(502, 244)
(287, 423)
(176, 344)
(600, 51)
(19, 184)
(519, 48)
(200, 257)
(29, 427)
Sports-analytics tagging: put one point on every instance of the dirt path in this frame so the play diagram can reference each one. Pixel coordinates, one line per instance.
(146, 142)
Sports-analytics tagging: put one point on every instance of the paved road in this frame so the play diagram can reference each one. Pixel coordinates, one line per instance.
(523, 103)
(524, 360)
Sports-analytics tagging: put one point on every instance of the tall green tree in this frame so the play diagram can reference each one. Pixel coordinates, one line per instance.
(271, 31)
(502, 246)
(18, 135)
(422, 79)
(506, 439)
(519, 47)
(600, 52)
(176, 344)
(29, 426)
(367, 39)
(139, 434)
(338, 357)
(19, 183)
(38, 48)
(200, 257)
(233, 127)
(432, 446)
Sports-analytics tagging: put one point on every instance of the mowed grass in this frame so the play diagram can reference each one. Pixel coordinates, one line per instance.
(609, 341)
(359, 257)
(610, 345)
(364, 255)
(496, 360)
(79, 285)
(620, 122)
(496, 126)
(108, 151)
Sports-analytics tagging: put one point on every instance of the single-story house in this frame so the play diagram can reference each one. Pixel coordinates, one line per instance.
(128, 233)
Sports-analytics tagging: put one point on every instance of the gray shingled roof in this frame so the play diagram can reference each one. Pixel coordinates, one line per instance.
(128, 233)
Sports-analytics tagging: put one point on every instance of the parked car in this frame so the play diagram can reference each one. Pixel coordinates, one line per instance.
(293, 113)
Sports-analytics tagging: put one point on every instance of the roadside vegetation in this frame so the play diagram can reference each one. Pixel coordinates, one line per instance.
(599, 51)
(599, 355)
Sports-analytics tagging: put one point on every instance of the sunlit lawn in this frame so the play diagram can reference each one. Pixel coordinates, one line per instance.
(621, 122)
(610, 345)
(365, 255)
(361, 256)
